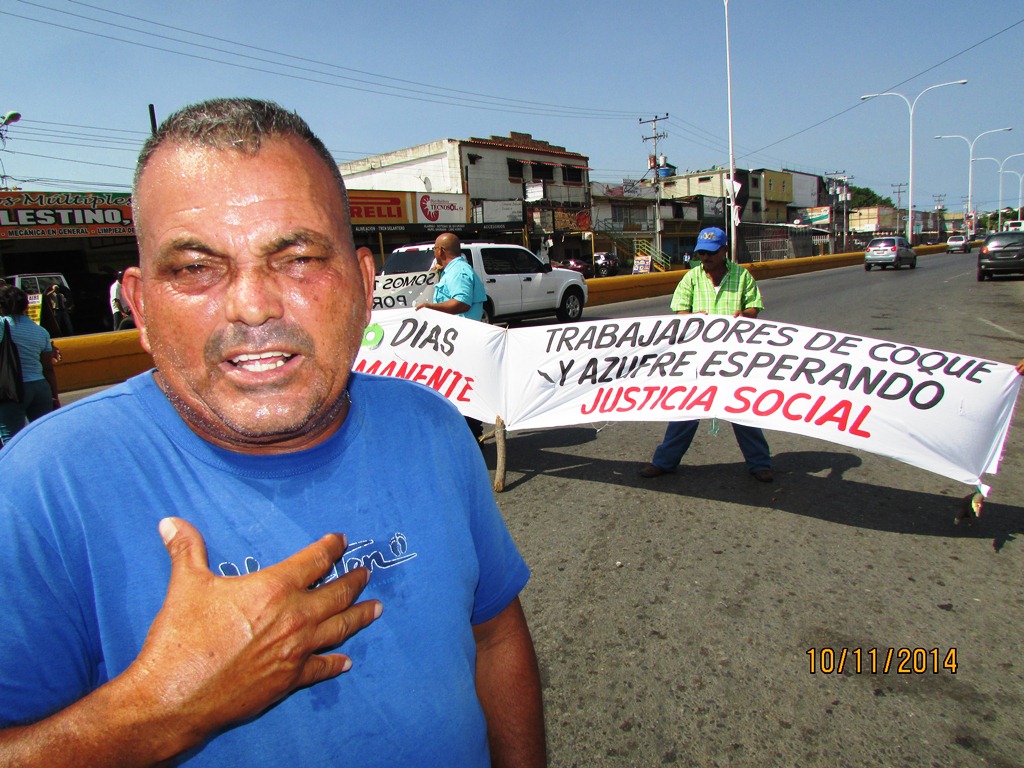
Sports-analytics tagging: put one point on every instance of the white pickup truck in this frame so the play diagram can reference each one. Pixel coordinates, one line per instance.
(518, 283)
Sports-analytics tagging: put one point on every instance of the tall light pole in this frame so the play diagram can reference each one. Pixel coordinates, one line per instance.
(732, 153)
(970, 172)
(1020, 192)
(1001, 163)
(910, 176)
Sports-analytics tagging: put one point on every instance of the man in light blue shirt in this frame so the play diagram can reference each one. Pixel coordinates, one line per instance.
(460, 291)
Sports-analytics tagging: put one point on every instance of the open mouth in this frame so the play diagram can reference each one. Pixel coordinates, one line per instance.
(261, 361)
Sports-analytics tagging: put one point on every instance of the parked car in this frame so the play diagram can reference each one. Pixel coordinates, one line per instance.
(518, 283)
(958, 244)
(402, 262)
(606, 264)
(1002, 253)
(892, 252)
(582, 266)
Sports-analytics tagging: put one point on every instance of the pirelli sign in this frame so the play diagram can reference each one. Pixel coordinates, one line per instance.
(380, 208)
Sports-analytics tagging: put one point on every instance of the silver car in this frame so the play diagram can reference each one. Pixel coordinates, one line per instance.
(958, 244)
(892, 252)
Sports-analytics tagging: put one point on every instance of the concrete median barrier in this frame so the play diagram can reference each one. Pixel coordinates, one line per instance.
(609, 290)
(98, 359)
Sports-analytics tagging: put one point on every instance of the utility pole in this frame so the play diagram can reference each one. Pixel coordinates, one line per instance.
(838, 188)
(940, 212)
(846, 209)
(657, 179)
(898, 189)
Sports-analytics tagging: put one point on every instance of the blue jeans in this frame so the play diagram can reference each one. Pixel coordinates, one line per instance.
(680, 434)
(38, 402)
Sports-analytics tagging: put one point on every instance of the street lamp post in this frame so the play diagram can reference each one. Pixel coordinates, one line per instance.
(970, 172)
(910, 176)
(6, 120)
(1020, 192)
(732, 153)
(10, 117)
(1001, 163)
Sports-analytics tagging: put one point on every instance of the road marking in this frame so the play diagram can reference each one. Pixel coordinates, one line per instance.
(1007, 331)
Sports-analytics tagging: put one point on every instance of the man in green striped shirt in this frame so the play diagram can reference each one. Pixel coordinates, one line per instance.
(715, 287)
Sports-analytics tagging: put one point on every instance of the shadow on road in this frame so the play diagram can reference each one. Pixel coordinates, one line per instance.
(809, 483)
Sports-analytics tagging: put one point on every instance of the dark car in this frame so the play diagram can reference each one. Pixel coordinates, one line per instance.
(1002, 253)
(585, 268)
(606, 264)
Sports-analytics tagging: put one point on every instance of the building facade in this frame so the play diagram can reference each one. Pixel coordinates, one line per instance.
(513, 188)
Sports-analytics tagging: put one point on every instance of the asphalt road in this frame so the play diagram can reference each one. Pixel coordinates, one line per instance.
(676, 618)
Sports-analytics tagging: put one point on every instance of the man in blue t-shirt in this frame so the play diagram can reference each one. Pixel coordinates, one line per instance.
(187, 618)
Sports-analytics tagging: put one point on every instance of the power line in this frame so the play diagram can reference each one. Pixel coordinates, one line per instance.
(459, 101)
(65, 183)
(69, 160)
(24, 126)
(227, 41)
(143, 134)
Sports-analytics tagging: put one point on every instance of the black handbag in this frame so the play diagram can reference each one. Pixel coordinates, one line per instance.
(12, 388)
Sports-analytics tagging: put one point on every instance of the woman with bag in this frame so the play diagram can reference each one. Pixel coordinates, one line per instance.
(36, 357)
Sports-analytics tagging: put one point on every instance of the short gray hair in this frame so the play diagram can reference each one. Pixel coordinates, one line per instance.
(237, 124)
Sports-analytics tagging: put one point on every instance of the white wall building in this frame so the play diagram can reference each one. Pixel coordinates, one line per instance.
(525, 187)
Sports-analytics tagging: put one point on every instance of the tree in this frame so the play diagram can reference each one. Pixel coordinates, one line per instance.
(862, 197)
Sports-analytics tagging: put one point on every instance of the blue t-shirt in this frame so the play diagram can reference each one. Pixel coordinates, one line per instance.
(83, 570)
(460, 281)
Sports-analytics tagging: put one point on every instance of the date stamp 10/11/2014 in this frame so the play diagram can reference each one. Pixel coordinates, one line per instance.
(874, 661)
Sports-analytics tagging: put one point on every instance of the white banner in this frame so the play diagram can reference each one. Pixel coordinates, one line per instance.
(943, 412)
(403, 291)
(462, 359)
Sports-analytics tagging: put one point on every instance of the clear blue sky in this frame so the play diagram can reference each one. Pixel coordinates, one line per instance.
(375, 77)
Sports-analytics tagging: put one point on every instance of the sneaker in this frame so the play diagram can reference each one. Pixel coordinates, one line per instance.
(763, 475)
(652, 470)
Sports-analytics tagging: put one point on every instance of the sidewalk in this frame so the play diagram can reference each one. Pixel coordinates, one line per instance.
(66, 398)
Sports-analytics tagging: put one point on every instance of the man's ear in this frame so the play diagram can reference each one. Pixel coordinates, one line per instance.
(131, 292)
(368, 268)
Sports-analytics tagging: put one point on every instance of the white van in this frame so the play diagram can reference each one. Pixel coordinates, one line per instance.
(37, 282)
(1013, 226)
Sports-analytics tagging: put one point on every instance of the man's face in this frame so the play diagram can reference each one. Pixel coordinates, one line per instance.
(440, 257)
(250, 295)
(712, 260)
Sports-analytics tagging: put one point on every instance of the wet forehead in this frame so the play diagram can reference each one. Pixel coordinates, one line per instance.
(285, 186)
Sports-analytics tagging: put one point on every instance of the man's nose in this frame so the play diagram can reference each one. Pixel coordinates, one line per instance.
(253, 297)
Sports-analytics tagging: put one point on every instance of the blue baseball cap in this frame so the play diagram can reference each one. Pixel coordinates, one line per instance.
(711, 239)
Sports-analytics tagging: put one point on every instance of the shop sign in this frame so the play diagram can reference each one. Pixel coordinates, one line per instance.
(369, 206)
(441, 209)
(25, 215)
